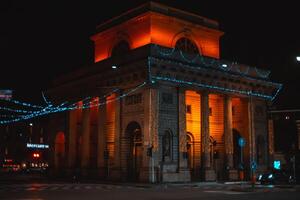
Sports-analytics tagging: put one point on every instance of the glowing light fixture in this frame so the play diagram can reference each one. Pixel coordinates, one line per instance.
(276, 164)
(270, 176)
(114, 67)
(224, 65)
(298, 58)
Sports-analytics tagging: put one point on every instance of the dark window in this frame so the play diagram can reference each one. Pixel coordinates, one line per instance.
(133, 99)
(233, 110)
(187, 46)
(120, 48)
(210, 111)
(188, 109)
(167, 98)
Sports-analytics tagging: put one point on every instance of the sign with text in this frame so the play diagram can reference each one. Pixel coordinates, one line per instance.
(37, 146)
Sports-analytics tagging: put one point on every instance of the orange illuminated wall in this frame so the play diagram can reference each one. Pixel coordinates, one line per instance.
(216, 121)
(155, 28)
(193, 124)
(94, 108)
(110, 124)
(240, 122)
(216, 118)
(79, 112)
(240, 116)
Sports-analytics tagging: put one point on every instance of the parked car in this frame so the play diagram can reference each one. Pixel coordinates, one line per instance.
(276, 177)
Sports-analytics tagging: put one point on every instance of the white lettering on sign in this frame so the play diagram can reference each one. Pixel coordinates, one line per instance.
(38, 146)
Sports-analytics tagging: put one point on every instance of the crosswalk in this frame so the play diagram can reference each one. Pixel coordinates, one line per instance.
(62, 187)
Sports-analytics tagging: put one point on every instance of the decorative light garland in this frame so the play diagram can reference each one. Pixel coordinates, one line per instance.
(21, 103)
(244, 92)
(225, 66)
(46, 101)
(212, 62)
(63, 107)
(230, 74)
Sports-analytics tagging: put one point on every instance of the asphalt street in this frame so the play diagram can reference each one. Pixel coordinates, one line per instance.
(210, 191)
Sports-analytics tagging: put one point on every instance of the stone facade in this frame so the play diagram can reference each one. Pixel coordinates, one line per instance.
(157, 113)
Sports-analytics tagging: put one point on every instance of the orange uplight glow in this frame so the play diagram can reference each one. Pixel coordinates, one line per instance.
(94, 110)
(216, 118)
(111, 123)
(79, 111)
(193, 116)
(156, 28)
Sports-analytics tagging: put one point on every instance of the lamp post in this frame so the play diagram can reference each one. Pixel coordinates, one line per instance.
(30, 131)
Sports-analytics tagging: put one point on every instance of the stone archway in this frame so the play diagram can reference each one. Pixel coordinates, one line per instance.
(59, 150)
(190, 152)
(134, 151)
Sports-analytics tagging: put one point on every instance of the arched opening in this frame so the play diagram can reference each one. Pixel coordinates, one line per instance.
(187, 46)
(120, 48)
(190, 151)
(236, 149)
(135, 151)
(167, 150)
(59, 150)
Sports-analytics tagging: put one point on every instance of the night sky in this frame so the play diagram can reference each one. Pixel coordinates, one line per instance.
(40, 40)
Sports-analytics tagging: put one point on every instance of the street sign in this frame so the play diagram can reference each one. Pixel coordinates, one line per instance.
(276, 164)
(253, 165)
(242, 142)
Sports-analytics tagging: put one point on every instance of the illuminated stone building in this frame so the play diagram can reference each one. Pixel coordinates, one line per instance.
(159, 105)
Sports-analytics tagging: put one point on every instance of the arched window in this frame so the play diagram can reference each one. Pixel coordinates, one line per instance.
(187, 46)
(167, 146)
(120, 48)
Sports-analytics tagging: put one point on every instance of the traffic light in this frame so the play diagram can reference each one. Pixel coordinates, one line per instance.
(36, 155)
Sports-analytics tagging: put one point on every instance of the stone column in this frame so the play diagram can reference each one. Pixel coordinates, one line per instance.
(271, 142)
(116, 163)
(252, 138)
(85, 156)
(182, 136)
(252, 135)
(150, 137)
(209, 174)
(228, 137)
(101, 137)
(72, 139)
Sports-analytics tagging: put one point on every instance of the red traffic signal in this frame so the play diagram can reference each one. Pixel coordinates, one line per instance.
(36, 155)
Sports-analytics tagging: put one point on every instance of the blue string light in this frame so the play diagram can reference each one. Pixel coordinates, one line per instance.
(244, 92)
(262, 74)
(230, 74)
(210, 62)
(46, 101)
(207, 62)
(21, 103)
(63, 107)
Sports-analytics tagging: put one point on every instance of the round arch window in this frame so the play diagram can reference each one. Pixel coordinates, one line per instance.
(120, 48)
(186, 46)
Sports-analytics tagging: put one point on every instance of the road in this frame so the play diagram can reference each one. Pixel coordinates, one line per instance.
(41, 191)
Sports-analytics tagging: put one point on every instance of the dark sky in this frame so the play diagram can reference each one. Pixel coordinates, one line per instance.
(40, 40)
